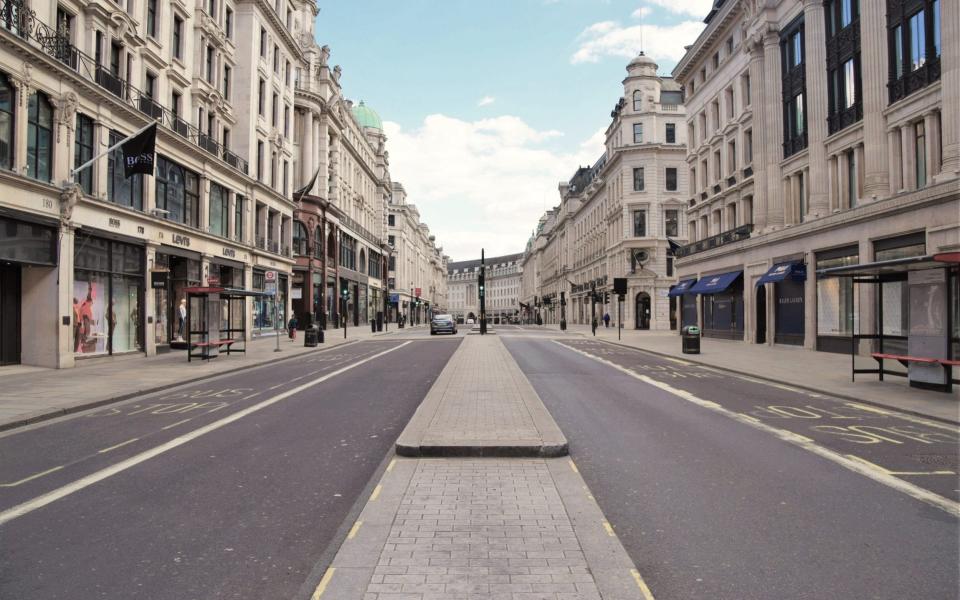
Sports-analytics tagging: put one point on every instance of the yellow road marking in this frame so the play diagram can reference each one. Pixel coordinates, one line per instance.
(31, 478)
(641, 584)
(609, 528)
(376, 493)
(177, 423)
(573, 466)
(750, 417)
(130, 441)
(902, 416)
(393, 461)
(889, 472)
(322, 586)
(354, 530)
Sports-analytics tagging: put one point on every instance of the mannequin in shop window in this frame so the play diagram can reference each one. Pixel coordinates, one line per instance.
(181, 318)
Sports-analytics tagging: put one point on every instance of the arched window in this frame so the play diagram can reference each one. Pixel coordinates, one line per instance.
(39, 137)
(299, 238)
(331, 245)
(7, 103)
(318, 242)
(637, 101)
(362, 267)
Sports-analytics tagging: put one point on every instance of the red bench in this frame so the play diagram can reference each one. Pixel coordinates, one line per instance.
(905, 360)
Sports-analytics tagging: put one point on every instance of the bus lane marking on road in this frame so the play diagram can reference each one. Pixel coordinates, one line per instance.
(31, 477)
(916, 492)
(84, 482)
(889, 472)
(120, 445)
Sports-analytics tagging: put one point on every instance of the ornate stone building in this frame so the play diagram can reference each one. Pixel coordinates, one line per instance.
(503, 276)
(820, 134)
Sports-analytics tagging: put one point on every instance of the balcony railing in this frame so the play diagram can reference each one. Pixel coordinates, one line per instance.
(359, 230)
(727, 237)
(19, 20)
(261, 242)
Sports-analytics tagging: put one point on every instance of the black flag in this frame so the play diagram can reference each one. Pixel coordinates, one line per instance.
(673, 247)
(297, 195)
(139, 152)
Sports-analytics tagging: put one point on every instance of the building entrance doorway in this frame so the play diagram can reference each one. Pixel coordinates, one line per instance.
(761, 304)
(642, 310)
(9, 315)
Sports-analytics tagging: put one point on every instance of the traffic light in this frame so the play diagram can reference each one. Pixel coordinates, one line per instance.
(345, 292)
(418, 300)
(606, 297)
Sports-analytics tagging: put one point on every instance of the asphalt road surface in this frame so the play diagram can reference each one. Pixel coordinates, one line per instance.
(723, 487)
(236, 487)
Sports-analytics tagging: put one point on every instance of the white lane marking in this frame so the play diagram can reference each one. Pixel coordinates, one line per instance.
(31, 478)
(918, 493)
(62, 492)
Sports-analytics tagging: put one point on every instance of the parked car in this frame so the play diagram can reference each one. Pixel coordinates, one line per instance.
(470, 321)
(443, 323)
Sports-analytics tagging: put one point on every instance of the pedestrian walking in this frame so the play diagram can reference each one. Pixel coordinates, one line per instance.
(606, 320)
(292, 328)
(593, 326)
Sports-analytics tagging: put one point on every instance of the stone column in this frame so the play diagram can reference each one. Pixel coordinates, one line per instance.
(306, 156)
(64, 355)
(755, 48)
(843, 197)
(873, 53)
(858, 161)
(810, 303)
(204, 220)
(816, 75)
(23, 91)
(909, 160)
(834, 187)
(231, 215)
(895, 167)
(932, 147)
(950, 94)
(323, 143)
(773, 128)
(150, 305)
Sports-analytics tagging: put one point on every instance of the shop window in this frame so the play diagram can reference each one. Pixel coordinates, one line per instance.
(219, 210)
(39, 137)
(120, 190)
(178, 192)
(837, 306)
(108, 293)
(83, 152)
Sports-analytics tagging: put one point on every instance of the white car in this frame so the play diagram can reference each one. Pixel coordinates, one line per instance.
(470, 321)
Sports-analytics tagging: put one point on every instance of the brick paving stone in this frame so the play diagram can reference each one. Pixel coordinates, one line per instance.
(482, 528)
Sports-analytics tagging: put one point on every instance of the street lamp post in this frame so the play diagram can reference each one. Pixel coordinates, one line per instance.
(483, 295)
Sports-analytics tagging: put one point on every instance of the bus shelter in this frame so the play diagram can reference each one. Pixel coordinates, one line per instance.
(216, 320)
(917, 304)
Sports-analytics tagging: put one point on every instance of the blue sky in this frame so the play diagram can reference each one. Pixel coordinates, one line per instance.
(490, 104)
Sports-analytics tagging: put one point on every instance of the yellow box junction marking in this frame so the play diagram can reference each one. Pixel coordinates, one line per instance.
(31, 478)
(322, 586)
(647, 595)
(354, 530)
(376, 493)
(130, 441)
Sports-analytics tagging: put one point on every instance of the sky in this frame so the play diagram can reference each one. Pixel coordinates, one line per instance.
(488, 106)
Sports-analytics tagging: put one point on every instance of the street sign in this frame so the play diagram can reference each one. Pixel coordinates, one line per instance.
(270, 276)
(270, 287)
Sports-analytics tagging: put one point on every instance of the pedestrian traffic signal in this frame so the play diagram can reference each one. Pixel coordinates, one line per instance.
(418, 300)
(606, 297)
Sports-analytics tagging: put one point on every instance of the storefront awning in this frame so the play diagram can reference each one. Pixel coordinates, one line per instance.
(711, 284)
(794, 269)
(894, 267)
(681, 288)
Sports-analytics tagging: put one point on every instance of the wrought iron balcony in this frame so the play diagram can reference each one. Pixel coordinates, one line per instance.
(17, 19)
(727, 237)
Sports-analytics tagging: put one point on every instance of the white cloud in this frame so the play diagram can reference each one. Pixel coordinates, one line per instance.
(642, 12)
(695, 8)
(486, 101)
(481, 183)
(610, 39)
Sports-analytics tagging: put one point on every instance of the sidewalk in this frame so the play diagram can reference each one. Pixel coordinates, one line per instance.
(480, 528)
(823, 372)
(30, 394)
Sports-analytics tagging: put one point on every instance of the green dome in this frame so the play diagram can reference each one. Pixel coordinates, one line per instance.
(367, 117)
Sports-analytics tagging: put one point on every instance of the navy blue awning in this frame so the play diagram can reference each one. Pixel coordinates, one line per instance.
(778, 272)
(681, 288)
(711, 284)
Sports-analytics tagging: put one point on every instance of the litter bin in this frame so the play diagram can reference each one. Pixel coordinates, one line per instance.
(373, 325)
(691, 339)
(310, 336)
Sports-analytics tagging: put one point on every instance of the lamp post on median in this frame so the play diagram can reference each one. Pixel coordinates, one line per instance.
(483, 295)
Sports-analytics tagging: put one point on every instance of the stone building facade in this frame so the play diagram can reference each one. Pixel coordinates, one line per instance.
(503, 282)
(617, 218)
(820, 134)
(95, 265)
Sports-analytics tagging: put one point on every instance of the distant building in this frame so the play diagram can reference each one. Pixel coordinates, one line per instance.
(502, 286)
